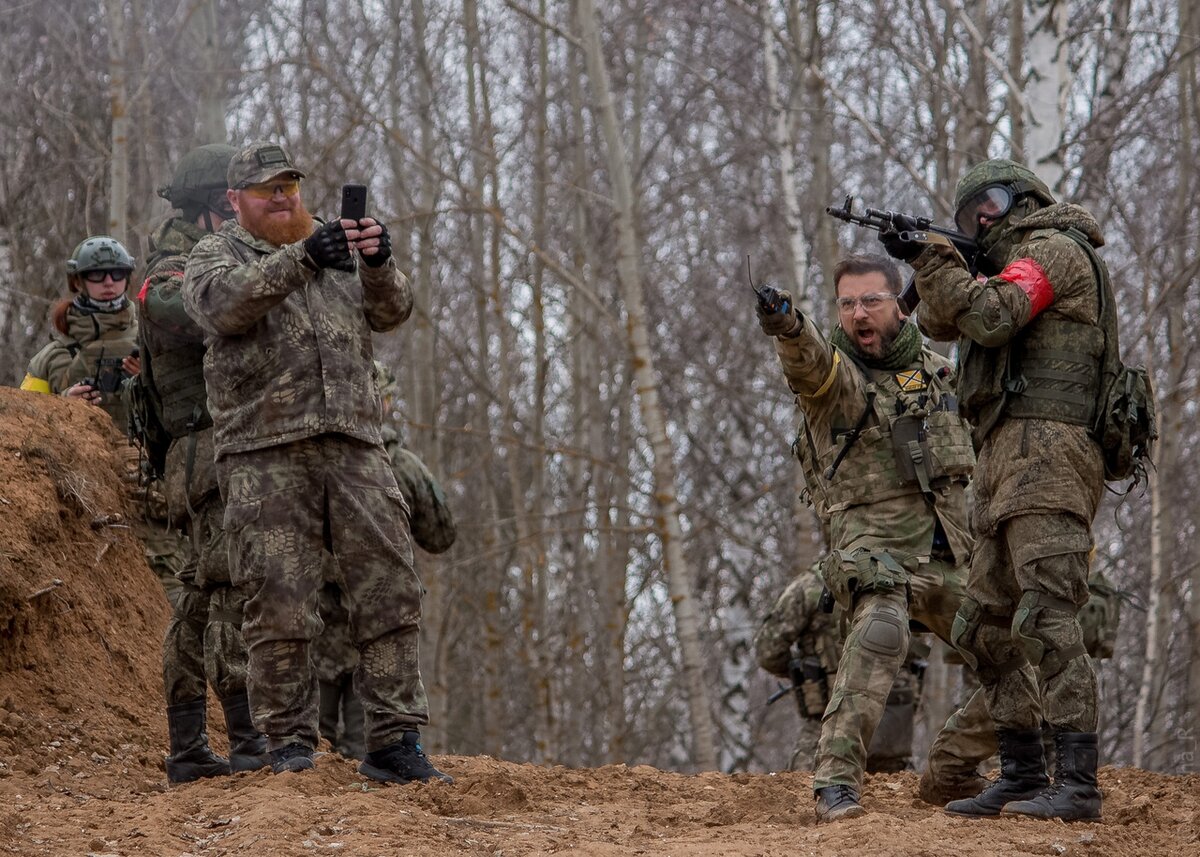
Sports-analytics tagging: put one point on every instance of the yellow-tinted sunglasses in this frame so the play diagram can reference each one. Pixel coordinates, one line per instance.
(266, 190)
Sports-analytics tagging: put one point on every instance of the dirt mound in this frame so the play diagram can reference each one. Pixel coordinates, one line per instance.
(82, 733)
(81, 614)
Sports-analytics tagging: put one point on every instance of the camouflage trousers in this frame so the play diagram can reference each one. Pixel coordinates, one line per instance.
(335, 658)
(286, 505)
(167, 552)
(890, 748)
(203, 643)
(875, 648)
(1019, 623)
(967, 740)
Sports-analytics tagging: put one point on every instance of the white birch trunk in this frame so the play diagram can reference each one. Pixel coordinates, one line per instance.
(1046, 92)
(629, 279)
(783, 144)
(118, 186)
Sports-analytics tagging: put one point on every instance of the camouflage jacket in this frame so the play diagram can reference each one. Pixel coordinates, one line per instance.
(173, 344)
(70, 357)
(432, 523)
(796, 618)
(830, 391)
(1025, 465)
(289, 349)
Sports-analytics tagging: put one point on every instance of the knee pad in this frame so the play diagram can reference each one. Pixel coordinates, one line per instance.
(963, 631)
(886, 631)
(1045, 629)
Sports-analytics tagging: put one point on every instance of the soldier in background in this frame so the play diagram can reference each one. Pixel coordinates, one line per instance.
(203, 644)
(800, 641)
(335, 657)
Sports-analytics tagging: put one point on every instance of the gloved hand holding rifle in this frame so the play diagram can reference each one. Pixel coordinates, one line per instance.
(904, 236)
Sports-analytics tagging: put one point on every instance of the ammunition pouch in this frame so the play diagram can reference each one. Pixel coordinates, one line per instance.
(810, 683)
(850, 573)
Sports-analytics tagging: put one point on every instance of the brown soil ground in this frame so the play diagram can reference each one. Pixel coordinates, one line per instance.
(82, 733)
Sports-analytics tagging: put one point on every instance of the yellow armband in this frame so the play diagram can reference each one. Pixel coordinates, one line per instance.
(35, 385)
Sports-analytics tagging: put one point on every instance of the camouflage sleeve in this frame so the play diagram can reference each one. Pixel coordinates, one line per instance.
(226, 296)
(387, 296)
(1052, 270)
(936, 318)
(161, 300)
(809, 362)
(51, 365)
(789, 619)
(432, 522)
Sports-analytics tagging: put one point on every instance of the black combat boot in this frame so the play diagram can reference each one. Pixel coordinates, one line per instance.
(1074, 795)
(1022, 775)
(247, 746)
(292, 758)
(191, 758)
(835, 802)
(402, 762)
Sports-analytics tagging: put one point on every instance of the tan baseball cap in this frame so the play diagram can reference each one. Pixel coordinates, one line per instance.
(259, 162)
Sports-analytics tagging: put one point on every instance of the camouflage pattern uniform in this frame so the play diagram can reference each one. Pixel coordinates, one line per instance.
(1030, 350)
(1038, 481)
(302, 466)
(203, 642)
(335, 657)
(91, 334)
(797, 629)
(899, 537)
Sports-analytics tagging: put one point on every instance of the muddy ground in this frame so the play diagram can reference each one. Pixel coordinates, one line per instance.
(82, 733)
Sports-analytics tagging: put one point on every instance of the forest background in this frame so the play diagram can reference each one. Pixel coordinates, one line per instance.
(575, 188)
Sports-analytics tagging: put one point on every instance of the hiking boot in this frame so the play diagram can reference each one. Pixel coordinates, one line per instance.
(292, 758)
(1074, 795)
(1022, 775)
(402, 762)
(191, 758)
(836, 802)
(949, 784)
(247, 746)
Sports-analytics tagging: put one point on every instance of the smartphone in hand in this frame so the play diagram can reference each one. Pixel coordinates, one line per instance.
(354, 201)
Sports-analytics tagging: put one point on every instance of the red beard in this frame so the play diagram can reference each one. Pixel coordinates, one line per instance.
(297, 227)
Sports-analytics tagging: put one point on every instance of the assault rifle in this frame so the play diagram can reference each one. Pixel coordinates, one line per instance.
(909, 227)
(808, 684)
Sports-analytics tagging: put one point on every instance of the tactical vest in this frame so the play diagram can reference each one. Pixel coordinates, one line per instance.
(99, 356)
(909, 440)
(173, 368)
(1051, 371)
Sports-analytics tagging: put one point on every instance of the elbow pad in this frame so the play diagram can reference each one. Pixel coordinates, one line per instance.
(987, 321)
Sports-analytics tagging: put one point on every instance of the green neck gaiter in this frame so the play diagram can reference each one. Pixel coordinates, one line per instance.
(902, 353)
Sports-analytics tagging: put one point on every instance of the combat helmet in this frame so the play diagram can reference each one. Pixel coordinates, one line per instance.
(99, 253)
(991, 189)
(199, 181)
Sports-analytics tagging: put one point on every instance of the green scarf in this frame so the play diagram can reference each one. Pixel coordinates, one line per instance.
(902, 353)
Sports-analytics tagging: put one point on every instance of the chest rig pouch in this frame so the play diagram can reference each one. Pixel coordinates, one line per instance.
(910, 439)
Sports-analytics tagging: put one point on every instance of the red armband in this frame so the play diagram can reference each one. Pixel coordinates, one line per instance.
(1030, 278)
(142, 294)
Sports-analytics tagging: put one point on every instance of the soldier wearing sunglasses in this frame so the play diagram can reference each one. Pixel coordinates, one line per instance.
(1031, 343)
(288, 307)
(91, 348)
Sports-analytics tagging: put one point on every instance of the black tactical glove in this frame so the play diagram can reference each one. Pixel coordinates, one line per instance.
(328, 248)
(778, 323)
(897, 248)
(382, 253)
